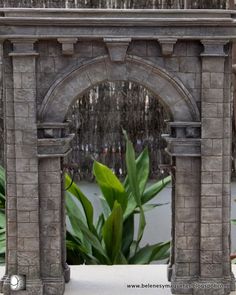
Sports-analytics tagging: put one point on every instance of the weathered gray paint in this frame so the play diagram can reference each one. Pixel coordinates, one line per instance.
(185, 59)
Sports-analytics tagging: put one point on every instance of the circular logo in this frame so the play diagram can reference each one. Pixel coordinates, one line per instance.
(17, 282)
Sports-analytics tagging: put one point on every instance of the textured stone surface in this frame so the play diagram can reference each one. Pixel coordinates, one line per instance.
(42, 78)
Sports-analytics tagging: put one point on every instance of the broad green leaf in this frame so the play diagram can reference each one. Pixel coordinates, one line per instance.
(233, 221)
(74, 246)
(150, 253)
(161, 252)
(100, 223)
(110, 185)
(87, 206)
(132, 172)
(105, 207)
(142, 224)
(131, 206)
(149, 207)
(2, 219)
(74, 213)
(3, 237)
(112, 232)
(128, 235)
(142, 164)
(2, 259)
(87, 234)
(2, 180)
(2, 247)
(154, 189)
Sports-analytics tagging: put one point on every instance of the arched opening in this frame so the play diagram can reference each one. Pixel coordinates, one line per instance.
(97, 118)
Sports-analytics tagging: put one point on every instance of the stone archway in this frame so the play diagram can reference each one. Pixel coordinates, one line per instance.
(36, 142)
(184, 144)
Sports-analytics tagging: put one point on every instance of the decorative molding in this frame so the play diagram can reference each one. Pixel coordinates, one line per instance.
(214, 47)
(67, 45)
(23, 47)
(117, 48)
(184, 139)
(167, 45)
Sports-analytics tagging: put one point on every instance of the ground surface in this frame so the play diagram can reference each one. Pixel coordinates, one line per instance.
(107, 280)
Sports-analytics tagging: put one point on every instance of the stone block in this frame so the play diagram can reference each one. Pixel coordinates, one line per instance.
(172, 64)
(27, 204)
(191, 229)
(180, 48)
(153, 49)
(211, 163)
(186, 215)
(191, 202)
(138, 47)
(217, 80)
(213, 215)
(23, 216)
(28, 230)
(212, 128)
(28, 258)
(213, 65)
(194, 269)
(193, 243)
(179, 227)
(190, 64)
(182, 269)
(181, 242)
(211, 243)
(24, 64)
(46, 64)
(31, 243)
(211, 270)
(28, 80)
(186, 256)
(209, 201)
(212, 95)
(206, 256)
(211, 189)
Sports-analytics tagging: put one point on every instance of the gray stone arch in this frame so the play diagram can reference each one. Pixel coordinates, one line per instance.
(171, 91)
(183, 142)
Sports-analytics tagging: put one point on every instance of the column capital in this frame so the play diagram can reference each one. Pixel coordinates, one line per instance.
(23, 47)
(184, 139)
(213, 47)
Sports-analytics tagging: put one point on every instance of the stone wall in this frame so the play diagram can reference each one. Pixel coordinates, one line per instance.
(185, 63)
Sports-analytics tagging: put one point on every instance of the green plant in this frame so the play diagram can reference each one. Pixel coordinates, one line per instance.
(111, 240)
(2, 216)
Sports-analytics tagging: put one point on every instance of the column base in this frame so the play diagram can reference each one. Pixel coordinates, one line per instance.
(2, 280)
(67, 273)
(54, 286)
(212, 287)
(33, 287)
(169, 272)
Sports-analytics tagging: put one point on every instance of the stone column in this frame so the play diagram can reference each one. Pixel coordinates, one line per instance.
(215, 170)
(184, 146)
(50, 225)
(1, 106)
(23, 245)
(53, 145)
